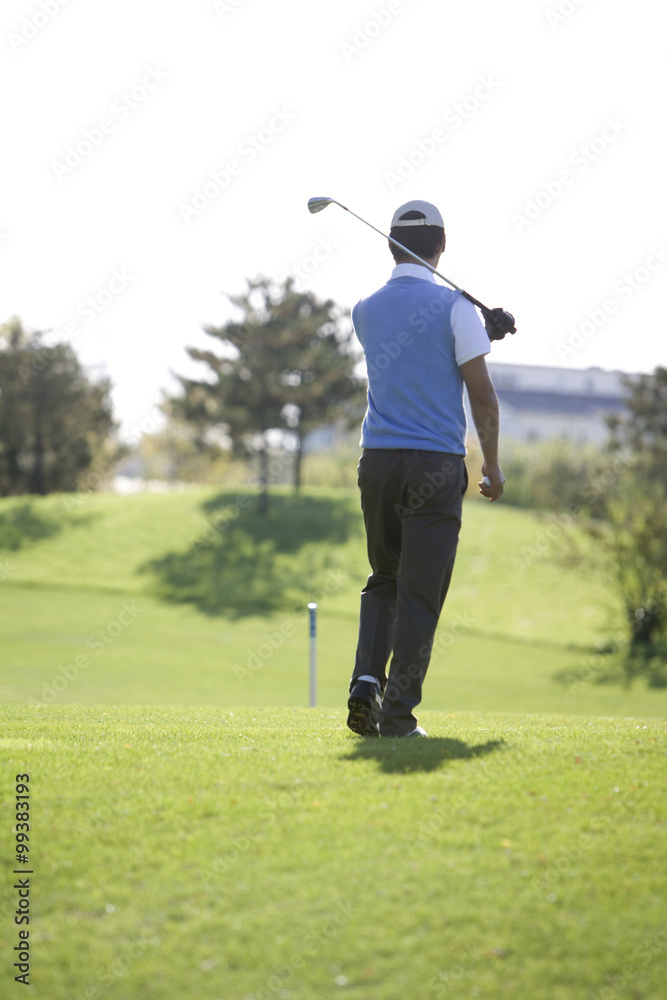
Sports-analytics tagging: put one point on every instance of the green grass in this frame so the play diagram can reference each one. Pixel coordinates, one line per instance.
(217, 598)
(252, 854)
(197, 832)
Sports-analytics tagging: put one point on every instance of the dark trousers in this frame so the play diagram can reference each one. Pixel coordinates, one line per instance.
(411, 502)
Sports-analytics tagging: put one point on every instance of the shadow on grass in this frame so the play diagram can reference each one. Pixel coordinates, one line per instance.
(621, 666)
(244, 563)
(22, 524)
(401, 756)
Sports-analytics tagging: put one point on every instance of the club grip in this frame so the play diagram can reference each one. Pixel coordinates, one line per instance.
(476, 302)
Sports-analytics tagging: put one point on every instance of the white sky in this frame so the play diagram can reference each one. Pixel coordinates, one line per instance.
(354, 89)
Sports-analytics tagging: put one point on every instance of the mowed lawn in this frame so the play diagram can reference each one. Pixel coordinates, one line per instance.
(191, 598)
(197, 831)
(269, 853)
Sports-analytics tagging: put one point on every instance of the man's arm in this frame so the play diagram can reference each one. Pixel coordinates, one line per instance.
(484, 407)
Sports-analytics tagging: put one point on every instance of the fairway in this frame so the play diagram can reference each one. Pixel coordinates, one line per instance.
(196, 831)
(239, 855)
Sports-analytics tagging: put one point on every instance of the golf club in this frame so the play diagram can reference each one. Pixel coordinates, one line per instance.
(318, 204)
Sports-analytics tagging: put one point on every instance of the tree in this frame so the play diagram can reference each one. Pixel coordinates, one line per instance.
(637, 509)
(285, 365)
(54, 420)
(321, 384)
(178, 453)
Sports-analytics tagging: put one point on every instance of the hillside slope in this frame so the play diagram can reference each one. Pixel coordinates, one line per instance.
(192, 598)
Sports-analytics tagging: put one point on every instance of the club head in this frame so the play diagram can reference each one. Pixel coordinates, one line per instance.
(317, 204)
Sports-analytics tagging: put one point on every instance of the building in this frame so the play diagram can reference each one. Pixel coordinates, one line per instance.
(538, 402)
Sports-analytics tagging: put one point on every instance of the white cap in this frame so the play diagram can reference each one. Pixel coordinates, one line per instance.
(431, 215)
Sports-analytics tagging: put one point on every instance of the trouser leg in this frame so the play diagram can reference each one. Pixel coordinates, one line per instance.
(379, 481)
(376, 625)
(433, 485)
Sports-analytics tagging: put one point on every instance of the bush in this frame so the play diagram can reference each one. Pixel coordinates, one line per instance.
(555, 474)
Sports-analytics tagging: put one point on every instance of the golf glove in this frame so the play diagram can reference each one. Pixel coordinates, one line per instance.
(498, 322)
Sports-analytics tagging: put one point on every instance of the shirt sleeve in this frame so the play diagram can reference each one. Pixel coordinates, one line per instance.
(470, 337)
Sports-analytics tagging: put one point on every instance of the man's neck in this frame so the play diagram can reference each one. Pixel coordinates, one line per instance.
(433, 261)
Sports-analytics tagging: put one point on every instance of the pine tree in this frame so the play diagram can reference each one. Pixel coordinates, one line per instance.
(286, 364)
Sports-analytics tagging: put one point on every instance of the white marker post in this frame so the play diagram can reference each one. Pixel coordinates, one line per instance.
(312, 608)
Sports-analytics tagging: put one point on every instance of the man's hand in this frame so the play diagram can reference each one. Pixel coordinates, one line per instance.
(498, 322)
(492, 484)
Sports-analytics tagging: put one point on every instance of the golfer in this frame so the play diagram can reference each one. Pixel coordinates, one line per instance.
(422, 343)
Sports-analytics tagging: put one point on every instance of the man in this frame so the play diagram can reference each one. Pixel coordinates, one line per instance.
(422, 343)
